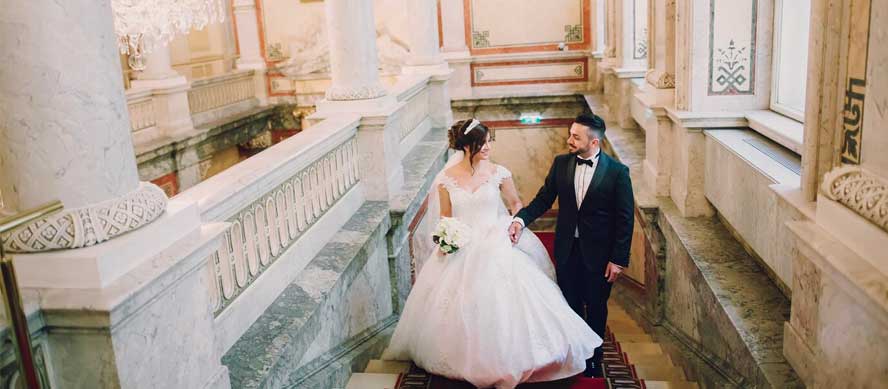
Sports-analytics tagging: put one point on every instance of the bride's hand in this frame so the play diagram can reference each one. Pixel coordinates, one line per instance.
(515, 230)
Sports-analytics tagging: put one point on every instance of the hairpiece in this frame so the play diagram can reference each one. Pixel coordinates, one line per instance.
(471, 126)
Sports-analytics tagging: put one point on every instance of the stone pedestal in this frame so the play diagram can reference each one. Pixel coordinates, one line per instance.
(169, 92)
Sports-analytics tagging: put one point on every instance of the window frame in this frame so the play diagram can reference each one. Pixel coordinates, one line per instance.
(774, 105)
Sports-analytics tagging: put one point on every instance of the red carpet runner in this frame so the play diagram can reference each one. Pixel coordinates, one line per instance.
(618, 372)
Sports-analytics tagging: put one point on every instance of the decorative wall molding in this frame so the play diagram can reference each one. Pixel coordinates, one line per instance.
(732, 46)
(548, 71)
(87, 226)
(661, 80)
(855, 82)
(492, 38)
(863, 193)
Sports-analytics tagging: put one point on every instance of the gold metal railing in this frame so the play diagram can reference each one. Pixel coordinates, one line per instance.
(12, 299)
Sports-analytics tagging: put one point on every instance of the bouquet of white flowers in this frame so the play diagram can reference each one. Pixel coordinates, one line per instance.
(450, 235)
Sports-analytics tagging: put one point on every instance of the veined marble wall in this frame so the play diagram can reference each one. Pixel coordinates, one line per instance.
(528, 152)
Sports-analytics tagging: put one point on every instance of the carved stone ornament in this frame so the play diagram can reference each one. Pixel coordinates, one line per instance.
(90, 225)
(662, 80)
(360, 93)
(863, 193)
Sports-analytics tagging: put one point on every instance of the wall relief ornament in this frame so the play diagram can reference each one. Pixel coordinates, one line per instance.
(863, 193)
(87, 226)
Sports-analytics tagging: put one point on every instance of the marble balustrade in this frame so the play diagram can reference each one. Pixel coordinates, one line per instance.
(281, 206)
(141, 110)
(414, 91)
(263, 229)
(218, 91)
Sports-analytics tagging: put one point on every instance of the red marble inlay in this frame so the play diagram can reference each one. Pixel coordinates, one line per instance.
(169, 183)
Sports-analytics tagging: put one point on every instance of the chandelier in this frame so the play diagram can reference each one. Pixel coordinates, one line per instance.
(143, 25)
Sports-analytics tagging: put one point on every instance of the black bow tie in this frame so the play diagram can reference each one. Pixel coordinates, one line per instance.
(587, 162)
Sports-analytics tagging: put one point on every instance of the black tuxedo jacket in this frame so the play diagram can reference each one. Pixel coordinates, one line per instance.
(605, 218)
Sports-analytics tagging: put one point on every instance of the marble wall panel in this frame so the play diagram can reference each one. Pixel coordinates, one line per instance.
(852, 342)
(179, 345)
(742, 195)
(528, 153)
(732, 46)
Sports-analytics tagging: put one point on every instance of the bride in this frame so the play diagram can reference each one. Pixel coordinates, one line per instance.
(489, 313)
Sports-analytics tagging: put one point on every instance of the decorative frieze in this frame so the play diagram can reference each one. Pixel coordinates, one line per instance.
(863, 193)
(86, 226)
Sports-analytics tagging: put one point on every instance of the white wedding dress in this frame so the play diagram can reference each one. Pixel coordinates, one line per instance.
(490, 313)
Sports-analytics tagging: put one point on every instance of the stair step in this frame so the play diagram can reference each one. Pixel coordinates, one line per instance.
(634, 338)
(372, 381)
(387, 367)
(652, 360)
(635, 350)
(659, 373)
(670, 385)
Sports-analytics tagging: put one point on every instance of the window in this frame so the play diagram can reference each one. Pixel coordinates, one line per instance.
(790, 59)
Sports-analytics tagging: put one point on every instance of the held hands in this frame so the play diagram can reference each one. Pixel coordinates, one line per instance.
(515, 230)
(612, 272)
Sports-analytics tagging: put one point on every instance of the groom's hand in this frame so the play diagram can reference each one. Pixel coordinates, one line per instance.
(612, 272)
(515, 232)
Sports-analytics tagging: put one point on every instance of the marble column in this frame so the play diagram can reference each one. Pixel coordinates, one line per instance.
(425, 59)
(65, 126)
(356, 88)
(423, 23)
(249, 43)
(169, 92)
(353, 62)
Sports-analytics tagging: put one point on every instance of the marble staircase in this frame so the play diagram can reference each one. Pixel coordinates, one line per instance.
(651, 362)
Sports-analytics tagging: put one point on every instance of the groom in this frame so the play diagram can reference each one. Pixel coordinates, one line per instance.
(594, 227)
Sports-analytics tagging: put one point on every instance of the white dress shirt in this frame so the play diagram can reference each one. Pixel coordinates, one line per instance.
(582, 179)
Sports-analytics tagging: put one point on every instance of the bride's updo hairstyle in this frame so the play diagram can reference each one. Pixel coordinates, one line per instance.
(469, 133)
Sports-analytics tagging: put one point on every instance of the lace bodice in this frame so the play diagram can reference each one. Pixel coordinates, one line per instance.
(481, 207)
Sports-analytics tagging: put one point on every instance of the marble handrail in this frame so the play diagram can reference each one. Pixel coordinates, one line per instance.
(414, 91)
(272, 199)
(215, 92)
